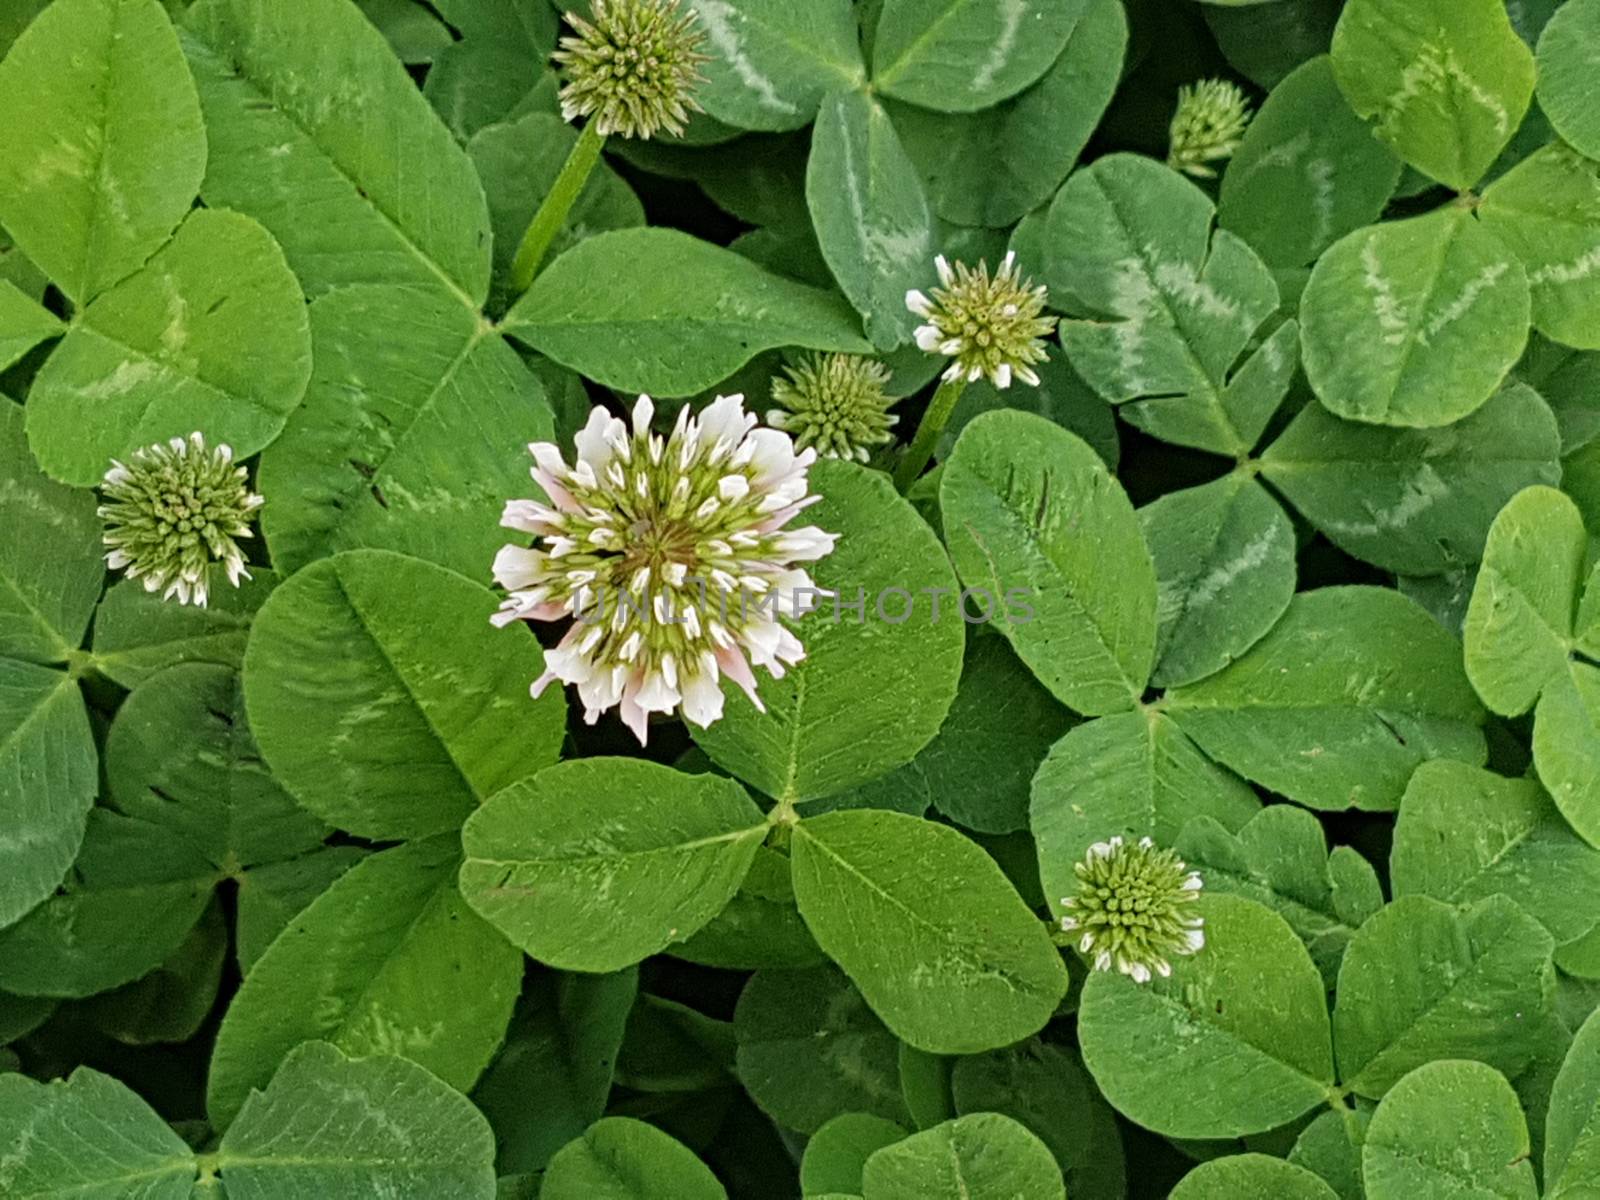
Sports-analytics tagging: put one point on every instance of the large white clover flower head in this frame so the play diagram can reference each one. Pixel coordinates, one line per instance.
(673, 555)
(989, 326)
(1207, 126)
(835, 402)
(633, 68)
(173, 513)
(1131, 908)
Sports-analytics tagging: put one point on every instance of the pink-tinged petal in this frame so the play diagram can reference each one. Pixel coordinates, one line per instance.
(734, 666)
(635, 718)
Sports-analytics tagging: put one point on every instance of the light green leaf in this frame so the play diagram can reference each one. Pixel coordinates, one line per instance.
(1566, 747)
(658, 311)
(1566, 74)
(1572, 1133)
(180, 755)
(1225, 571)
(23, 324)
(1422, 980)
(1547, 210)
(994, 166)
(552, 1079)
(1032, 517)
(1135, 775)
(623, 1159)
(1340, 702)
(1307, 172)
(48, 776)
(1447, 81)
(1251, 1177)
(158, 355)
(270, 896)
(1234, 1042)
(308, 110)
(1465, 834)
(1328, 1146)
(413, 434)
(1520, 621)
(1172, 306)
(1415, 501)
(87, 1137)
(136, 633)
(985, 1154)
(929, 929)
(773, 61)
(51, 567)
(809, 1047)
(105, 147)
(1413, 322)
(1449, 1129)
(963, 55)
(870, 214)
(836, 1155)
(1280, 859)
(389, 960)
(594, 865)
(385, 702)
(894, 669)
(328, 1125)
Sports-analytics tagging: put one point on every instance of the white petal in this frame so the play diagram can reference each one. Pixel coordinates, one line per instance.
(517, 567)
(919, 303)
(928, 338)
(643, 409)
(702, 700)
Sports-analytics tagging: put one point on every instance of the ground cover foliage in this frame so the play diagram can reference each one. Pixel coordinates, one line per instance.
(1228, 561)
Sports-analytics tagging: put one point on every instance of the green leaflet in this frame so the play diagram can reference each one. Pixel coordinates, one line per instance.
(809, 1047)
(1339, 703)
(1251, 1177)
(23, 323)
(658, 311)
(1572, 1136)
(156, 356)
(985, 1154)
(1033, 518)
(884, 894)
(893, 667)
(1415, 501)
(836, 1155)
(271, 895)
(1547, 209)
(620, 1158)
(993, 166)
(871, 217)
(772, 61)
(1566, 74)
(136, 634)
(275, 82)
(1308, 171)
(488, 74)
(1040, 1085)
(760, 927)
(413, 435)
(1330, 1147)
(1446, 81)
(592, 866)
(106, 147)
(1171, 306)
(401, 651)
(1413, 322)
(1235, 1042)
(1422, 980)
(51, 566)
(388, 960)
(172, 1002)
(1566, 746)
(1448, 1128)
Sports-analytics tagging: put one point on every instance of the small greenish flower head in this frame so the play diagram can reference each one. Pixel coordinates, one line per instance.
(835, 403)
(1131, 909)
(1211, 118)
(990, 327)
(172, 515)
(633, 68)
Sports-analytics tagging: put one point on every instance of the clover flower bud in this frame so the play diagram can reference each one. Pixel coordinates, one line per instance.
(633, 68)
(1208, 125)
(1131, 908)
(835, 403)
(990, 327)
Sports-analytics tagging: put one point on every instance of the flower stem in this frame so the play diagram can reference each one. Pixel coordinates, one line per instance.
(933, 423)
(552, 214)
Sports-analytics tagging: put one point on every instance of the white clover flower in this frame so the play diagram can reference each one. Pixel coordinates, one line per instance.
(673, 556)
(633, 68)
(835, 402)
(1130, 906)
(992, 327)
(172, 515)
(1207, 126)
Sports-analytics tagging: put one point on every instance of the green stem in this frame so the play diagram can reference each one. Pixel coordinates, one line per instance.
(552, 214)
(933, 423)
